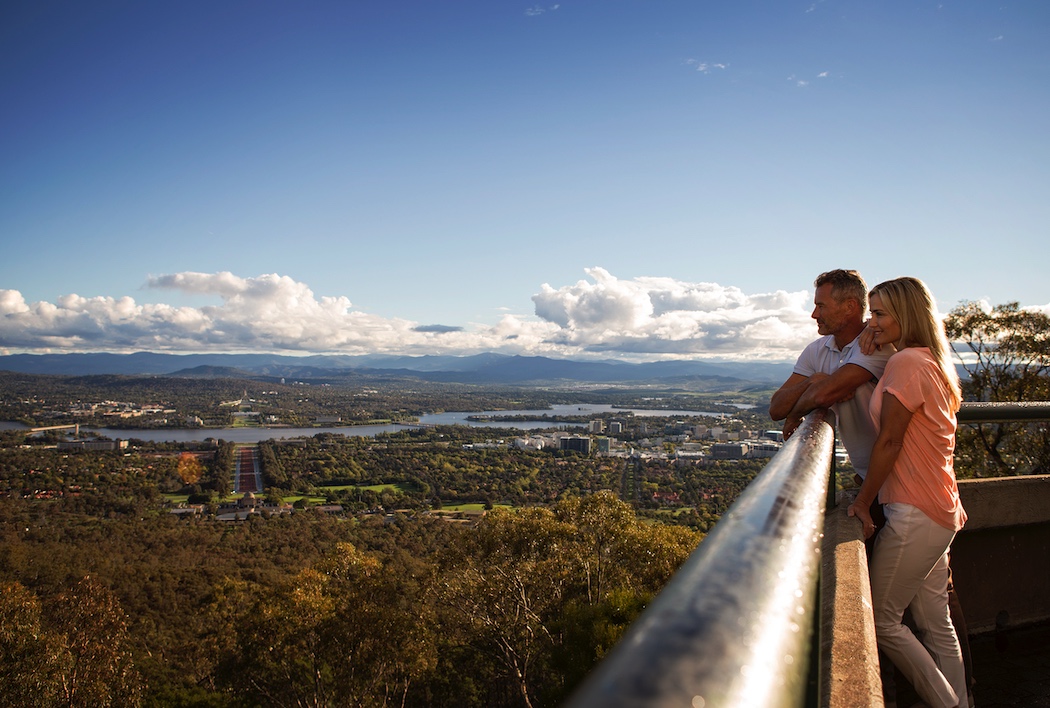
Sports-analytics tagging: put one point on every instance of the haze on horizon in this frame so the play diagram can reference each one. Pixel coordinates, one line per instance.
(581, 180)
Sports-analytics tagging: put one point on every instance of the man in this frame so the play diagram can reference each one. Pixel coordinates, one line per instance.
(833, 372)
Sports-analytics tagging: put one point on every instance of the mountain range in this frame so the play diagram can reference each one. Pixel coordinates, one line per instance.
(480, 368)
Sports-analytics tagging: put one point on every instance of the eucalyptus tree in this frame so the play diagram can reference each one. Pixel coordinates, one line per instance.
(1005, 352)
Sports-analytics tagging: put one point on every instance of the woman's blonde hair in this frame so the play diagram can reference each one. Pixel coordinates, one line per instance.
(909, 301)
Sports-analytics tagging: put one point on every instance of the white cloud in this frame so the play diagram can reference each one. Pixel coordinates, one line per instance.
(1045, 309)
(537, 10)
(705, 67)
(639, 318)
(665, 316)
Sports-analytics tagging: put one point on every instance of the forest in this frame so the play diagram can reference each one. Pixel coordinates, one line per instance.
(308, 609)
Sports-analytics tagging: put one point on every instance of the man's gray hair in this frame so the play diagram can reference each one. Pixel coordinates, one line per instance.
(845, 285)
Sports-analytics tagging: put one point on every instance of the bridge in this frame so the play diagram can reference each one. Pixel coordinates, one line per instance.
(774, 607)
(74, 426)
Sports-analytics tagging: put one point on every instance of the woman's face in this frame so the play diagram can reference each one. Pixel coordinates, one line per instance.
(886, 329)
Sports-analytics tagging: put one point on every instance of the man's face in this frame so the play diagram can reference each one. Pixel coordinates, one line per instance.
(831, 315)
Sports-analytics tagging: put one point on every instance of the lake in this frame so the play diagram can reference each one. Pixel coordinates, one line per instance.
(254, 435)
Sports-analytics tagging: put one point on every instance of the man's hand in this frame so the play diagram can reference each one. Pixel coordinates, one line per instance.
(791, 423)
(867, 341)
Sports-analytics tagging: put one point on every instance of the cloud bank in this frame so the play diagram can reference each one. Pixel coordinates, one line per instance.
(644, 318)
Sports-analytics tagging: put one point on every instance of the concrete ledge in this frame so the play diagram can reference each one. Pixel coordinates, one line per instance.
(849, 658)
(1005, 501)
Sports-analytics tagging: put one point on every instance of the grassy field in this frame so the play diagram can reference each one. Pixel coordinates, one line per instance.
(308, 497)
(377, 488)
(474, 508)
(468, 508)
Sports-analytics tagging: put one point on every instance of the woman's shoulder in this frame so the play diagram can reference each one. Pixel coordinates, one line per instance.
(911, 358)
(913, 354)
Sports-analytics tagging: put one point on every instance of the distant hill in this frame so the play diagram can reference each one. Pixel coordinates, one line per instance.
(212, 372)
(481, 368)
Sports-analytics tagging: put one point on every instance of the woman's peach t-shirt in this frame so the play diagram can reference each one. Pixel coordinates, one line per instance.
(923, 475)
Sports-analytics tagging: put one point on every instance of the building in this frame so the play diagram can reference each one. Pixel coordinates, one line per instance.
(729, 451)
(764, 449)
(93, 445)
(577, 443)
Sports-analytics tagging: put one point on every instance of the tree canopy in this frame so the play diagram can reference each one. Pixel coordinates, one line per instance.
(1005, 351)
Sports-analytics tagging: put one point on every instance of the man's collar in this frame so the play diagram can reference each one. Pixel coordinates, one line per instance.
(831, 344)
(834, 343)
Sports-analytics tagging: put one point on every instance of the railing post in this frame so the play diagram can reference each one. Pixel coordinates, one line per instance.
(733, 626)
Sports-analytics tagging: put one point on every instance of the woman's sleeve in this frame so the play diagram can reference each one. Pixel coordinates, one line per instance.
(900, 379)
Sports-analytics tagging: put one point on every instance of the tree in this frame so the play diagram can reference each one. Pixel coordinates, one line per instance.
(522, 579)
(351, 631)
(97, 668)
(1008, 359)
(508, 586)
(29, 655)
(189, 468)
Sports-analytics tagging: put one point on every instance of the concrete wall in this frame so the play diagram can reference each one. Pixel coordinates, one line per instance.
(1001, 558)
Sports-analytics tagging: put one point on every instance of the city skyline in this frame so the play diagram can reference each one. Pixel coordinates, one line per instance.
(608, 180)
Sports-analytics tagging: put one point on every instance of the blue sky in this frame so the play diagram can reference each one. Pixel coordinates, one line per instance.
(614, 178)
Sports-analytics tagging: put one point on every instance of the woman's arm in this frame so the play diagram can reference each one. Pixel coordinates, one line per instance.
(893, 423)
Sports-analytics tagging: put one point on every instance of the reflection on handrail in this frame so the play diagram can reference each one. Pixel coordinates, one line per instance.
(733, 626)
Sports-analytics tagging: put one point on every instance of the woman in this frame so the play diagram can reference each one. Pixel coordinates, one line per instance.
(913, 408)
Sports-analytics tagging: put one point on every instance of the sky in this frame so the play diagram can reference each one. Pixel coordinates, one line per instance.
(614, 179)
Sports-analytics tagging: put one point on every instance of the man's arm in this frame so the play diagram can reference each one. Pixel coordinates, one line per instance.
(823, 392)
(800, 394)
(784, 399)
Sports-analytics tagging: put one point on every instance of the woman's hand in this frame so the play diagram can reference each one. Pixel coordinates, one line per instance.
(863, 512)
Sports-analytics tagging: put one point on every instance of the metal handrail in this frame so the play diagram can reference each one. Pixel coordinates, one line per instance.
(733, 626)
(1003, 412)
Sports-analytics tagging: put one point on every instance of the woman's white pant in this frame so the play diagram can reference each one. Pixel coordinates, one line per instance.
(909, 568)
